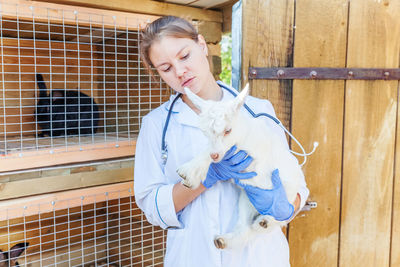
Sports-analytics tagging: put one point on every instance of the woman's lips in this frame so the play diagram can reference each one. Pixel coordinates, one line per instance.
(187, 82)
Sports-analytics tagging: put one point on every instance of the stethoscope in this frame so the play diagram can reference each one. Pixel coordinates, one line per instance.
(164, 149)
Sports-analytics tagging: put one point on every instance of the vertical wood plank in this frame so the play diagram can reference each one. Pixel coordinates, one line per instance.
(369, 136)
(267, 42)
(317, 115)
(395, 247)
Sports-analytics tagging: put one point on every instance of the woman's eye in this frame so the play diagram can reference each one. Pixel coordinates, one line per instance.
(227, 131)
(185, 56)
(167, 69)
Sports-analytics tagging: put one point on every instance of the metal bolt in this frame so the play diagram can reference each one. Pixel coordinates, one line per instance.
(75, 12)
(313, 74)
(116, 145)
(53, 203)
(351, 73)
(386, 73)
(280, 73)
(253, 73)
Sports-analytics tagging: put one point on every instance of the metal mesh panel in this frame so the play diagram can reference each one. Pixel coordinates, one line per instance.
(96, 88)
(102, 229)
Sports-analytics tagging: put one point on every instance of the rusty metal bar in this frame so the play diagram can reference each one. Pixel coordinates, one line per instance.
(324, 73)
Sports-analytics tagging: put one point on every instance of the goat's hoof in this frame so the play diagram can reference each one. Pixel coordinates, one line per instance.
(219, 243)
(181, 175)
(264, 223)
(186, 184)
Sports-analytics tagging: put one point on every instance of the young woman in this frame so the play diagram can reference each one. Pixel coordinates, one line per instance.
(193, 218)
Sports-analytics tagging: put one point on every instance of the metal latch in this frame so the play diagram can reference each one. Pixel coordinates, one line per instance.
(309, 205)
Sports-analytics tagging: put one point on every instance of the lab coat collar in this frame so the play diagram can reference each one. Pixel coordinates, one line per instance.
(184, 114)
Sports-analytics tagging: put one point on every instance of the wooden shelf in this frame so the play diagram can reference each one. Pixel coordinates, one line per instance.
(27, 206)
(54, 152)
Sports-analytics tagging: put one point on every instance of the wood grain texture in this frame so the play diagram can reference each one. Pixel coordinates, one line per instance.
(68, 14)
(30, 205)
(146, 7)
(317, 115)
(395, 246)
(30, 187)
(67, 154)
(267, 42)
(369, 136)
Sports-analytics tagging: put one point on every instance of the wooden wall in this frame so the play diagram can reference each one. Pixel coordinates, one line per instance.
(354, 175)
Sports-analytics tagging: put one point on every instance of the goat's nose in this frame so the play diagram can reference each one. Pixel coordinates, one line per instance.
(214, 156)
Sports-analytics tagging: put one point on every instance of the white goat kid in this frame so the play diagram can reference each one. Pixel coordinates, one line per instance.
(226, 124)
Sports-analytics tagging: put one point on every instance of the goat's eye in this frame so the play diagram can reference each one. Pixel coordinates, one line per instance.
(227, 131)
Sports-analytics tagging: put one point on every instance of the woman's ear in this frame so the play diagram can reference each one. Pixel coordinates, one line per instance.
(203, 44)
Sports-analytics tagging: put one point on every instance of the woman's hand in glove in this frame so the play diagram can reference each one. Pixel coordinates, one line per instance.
(271, 202)
(231, 166)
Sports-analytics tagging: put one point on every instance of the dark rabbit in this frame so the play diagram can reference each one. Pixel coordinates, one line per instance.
(9, 258)
(65, 112)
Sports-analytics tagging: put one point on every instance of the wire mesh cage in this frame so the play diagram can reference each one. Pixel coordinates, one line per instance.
(71, 79)
(89, 227)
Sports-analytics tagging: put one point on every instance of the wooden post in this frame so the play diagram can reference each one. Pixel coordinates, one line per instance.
(317, 115)
(369, 136)
(267, 42)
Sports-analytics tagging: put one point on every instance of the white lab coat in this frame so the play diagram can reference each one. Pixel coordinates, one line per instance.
(191, 232)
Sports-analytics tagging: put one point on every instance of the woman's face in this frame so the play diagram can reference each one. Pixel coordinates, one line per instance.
(182, 62)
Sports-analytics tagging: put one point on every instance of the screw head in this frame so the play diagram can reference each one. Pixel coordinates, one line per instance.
(313, 74)
(280, 73)
(253, 73)
(386, 74)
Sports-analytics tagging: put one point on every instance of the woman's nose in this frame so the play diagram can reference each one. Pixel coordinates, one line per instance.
(180, 70)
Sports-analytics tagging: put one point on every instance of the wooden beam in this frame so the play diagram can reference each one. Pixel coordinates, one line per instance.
(70, 15)
(27, 206)
(147, 7)
(57, 156)
(44, 185)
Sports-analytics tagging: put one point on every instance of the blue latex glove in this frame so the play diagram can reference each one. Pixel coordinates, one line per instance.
(231, 166)
(271, 202)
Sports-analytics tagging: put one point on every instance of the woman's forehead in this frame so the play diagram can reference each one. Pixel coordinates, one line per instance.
(169, 45)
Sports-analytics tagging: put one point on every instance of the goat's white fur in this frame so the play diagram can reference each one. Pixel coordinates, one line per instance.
(254, 136)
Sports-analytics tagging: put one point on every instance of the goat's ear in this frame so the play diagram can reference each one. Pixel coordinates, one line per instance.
(17, 250)
(240, 98)
(196, 100)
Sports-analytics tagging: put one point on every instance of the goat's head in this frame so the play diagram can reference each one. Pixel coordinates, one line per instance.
(218, 121)
(9, 258)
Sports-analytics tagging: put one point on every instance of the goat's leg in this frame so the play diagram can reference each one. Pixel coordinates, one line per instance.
(242, 231)
(195, 171)
(266, 223)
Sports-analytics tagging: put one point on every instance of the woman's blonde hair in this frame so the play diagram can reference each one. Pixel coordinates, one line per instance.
(168, 26)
